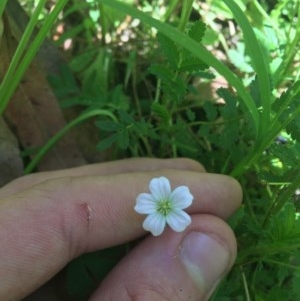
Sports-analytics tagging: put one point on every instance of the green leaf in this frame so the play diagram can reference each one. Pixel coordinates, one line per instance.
(126, 118)
(169, 49)
(172, 84)
(123, 139)
(229, 110)
(108, 126)
(190, 115)
(237, 217)
(162, 72)
(284, 226)
(107, 142)
(197, 31)
(239, 59)
(210, 110)
(294, 128)
(191, 64)
(142, 128)
(160, 111)
(287, 153)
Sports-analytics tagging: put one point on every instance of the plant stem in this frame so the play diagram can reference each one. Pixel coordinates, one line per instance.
(103, 23)
(41, 153)
(171, 6)
(185, 14)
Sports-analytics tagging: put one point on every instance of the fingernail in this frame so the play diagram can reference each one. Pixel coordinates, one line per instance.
(205, 259)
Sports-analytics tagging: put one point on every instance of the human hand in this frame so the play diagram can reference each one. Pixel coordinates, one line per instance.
(48, 219)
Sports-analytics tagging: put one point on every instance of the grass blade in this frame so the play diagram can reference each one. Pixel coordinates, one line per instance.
(259, 63)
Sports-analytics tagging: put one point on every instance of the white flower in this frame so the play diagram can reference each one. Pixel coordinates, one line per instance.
(164, 206)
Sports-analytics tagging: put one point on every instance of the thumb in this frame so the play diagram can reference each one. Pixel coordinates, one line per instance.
(174, 266)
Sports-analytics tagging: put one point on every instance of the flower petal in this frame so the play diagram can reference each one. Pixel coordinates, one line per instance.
(178, 220)
(181, 197)
(155, 223)
(160, 188)
(145, 204)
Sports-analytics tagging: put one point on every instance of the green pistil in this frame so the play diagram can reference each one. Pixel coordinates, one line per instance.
(164, 207)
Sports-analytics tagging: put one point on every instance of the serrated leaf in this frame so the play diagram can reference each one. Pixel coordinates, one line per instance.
(197, 31)
(190, 115)
(123, 139)
(125, 117)
(169, 49)
(204, 74)
(142, 128)
(175, 89)
(267, 38)
(287, 104)
(284, 225)
(229, 110)
(160, 111)
(239, 59)
(107, 142)
(162, 72)
(294, 128)
(237, 217)
(191, 64)
(118, 99)
(287, 153)
(210, 110)
(108, 126)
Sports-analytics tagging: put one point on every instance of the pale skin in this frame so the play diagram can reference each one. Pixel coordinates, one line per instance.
(47, 219)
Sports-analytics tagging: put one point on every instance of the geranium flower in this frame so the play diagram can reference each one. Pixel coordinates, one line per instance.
(164, 206)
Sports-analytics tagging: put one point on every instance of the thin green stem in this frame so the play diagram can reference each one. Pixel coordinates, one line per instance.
(170, 9)
(38, 157)
(103, 23)
(245, 284)
(185, 14)
(157, 91)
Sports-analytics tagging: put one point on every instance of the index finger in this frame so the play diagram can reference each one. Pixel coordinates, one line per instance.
(107, 168)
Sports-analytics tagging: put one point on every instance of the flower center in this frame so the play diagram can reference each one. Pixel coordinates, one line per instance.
(164, 207)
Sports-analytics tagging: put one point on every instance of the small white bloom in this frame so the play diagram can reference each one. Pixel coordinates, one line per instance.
(164, 206)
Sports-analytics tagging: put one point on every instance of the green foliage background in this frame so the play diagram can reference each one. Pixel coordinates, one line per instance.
(143, 83)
